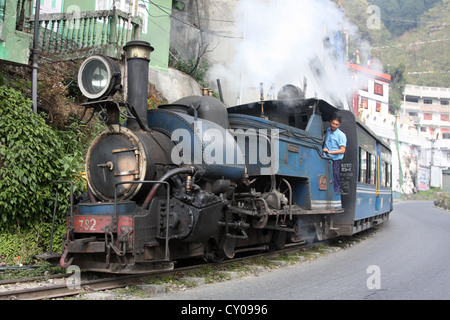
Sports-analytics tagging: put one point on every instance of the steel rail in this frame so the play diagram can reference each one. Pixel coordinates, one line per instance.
(51, 276)
(118, 281)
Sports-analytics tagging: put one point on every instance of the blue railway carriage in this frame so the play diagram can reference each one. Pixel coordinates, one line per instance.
(366, 178)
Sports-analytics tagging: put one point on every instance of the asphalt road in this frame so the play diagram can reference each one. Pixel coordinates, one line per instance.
(408, 258)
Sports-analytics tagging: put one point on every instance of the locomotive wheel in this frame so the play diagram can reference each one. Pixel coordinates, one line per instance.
(212, 253)
(279, 239)
(260, 221)
(227, 246)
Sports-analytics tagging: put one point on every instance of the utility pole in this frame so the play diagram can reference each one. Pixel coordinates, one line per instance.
(35, 56)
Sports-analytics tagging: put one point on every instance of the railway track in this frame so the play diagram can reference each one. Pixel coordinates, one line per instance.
(120, 281)
(113, 282)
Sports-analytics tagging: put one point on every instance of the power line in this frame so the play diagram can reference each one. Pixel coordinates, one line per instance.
(162, 8)
(416, 43)
(409, 53)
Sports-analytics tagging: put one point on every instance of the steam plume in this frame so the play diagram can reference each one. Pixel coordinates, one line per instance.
(286, 41)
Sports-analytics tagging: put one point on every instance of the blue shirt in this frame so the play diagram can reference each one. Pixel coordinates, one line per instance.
(333, 141)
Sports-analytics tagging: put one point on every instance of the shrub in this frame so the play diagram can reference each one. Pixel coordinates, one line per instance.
(32, 157)
(23, 247)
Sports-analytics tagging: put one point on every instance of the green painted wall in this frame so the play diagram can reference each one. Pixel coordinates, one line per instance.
(159, 32)
(14, 45)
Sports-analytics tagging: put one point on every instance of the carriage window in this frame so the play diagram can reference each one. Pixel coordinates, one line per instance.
(372, 164)
(388, 174)
(383, 173)
(292, 120)
(362, 165)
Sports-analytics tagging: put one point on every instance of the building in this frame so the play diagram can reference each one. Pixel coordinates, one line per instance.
(419, 137)
(371, 97)
(76, 28)
(427, 109)
(15, 44)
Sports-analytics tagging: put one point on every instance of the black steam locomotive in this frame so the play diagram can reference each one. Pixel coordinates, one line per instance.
(195, 179)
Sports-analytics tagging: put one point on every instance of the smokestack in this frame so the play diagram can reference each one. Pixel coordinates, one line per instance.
(138, 58)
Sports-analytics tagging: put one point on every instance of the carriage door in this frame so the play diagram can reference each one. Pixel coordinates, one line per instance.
(378, 181)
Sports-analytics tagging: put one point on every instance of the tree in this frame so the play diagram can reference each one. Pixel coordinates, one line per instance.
(397, 88)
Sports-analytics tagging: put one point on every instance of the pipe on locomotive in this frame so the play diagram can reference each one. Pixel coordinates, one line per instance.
(138, 57)
(171, 173)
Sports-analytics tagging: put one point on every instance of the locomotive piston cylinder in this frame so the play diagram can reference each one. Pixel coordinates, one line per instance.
(138, 58)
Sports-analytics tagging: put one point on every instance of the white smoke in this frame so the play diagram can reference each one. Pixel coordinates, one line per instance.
(284, 42)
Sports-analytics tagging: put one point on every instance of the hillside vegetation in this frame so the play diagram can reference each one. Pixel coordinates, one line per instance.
(412, 33)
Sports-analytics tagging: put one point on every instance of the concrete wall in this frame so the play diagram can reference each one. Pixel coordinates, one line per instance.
(173, 84)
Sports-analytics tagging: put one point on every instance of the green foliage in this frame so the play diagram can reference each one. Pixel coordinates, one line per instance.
(29, 273)
(400, 16)
(196, 68)
(32, 157)
(397, 87)
(441, 199)
(23, 247)
(418, 41)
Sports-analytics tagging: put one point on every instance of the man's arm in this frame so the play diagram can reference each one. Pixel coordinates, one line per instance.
(341, 150)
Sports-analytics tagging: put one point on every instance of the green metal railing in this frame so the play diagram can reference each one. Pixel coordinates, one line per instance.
(64, 33)
(2, 10)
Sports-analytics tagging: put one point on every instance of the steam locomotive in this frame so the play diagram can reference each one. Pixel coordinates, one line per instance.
(195, 179)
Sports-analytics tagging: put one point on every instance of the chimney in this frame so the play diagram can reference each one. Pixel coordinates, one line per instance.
(138, 57)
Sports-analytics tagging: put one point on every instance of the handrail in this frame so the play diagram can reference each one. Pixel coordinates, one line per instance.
(166, 251)
(56, 183)
(2, 10)
(78, 31)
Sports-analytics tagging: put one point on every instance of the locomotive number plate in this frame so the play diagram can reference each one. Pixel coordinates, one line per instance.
(322, 182)
(91, 223)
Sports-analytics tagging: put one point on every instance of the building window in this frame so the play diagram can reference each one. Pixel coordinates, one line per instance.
(444, 117)
(428, 101)
(378, 89)
(412, 99)
(378, 107)
(444, 103)
(364, 103)
(427, 116)
(142, 9)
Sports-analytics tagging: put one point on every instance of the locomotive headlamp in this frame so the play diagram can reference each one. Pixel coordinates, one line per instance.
(99, 76)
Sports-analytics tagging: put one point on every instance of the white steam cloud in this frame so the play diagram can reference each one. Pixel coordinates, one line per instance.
(284, 42)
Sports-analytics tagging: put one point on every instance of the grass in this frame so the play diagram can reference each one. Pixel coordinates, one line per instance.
(9, 274)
